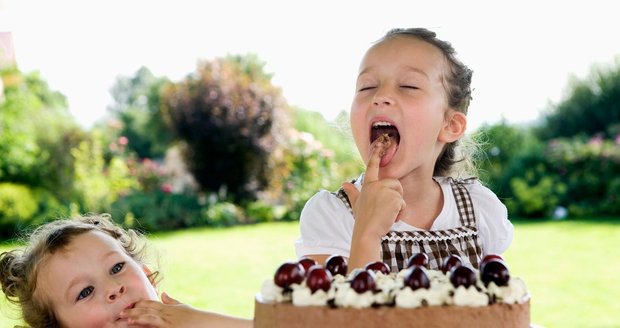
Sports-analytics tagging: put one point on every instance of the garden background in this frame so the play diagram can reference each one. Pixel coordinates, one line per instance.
(220, 158)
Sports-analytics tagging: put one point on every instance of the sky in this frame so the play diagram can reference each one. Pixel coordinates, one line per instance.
(523, 53)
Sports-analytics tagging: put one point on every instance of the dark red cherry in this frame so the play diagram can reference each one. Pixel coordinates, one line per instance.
(363, 281)
(420, 259)
(378, 266)
(417, 277)
(463, 276)
(451, 262)
(336, 264)
(495, 271)
(488, 258)
(306, 262)
(289, 273)
(318, 278)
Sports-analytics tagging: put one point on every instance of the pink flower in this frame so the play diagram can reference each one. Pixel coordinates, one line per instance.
(596, 140)
(123, 140)
(166, 187)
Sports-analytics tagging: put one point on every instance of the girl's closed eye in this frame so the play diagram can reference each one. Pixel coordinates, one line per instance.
(117, 267)
(366, 88)
(409, 87)
(84, 293)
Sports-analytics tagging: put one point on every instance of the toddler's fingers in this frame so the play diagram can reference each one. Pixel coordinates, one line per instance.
(138, 312)
(147, 321)
(166, 299)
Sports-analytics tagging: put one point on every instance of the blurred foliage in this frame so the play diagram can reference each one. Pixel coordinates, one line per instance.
(158, 210)
(137, 107)
(305, 167)
(36, 134)
(230, 116)
(100, 183)
(501, 143)
(590, 170)
(569, 163)
(17, 207)
(34, 123)
(536, 178)
(257, 160)
(335, 136)
(222, 214)
(591, 106)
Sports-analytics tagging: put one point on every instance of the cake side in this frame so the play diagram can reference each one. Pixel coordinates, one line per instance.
(275, 315)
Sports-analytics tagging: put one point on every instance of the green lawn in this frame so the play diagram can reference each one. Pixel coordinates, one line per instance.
(571, 267)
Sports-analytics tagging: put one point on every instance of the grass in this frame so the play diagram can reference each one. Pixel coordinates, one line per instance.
(571, 268)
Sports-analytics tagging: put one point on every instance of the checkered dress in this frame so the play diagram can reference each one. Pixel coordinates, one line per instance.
(398, 246)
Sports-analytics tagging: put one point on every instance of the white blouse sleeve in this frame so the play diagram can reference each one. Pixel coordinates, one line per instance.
(494, 229)
(325, 225)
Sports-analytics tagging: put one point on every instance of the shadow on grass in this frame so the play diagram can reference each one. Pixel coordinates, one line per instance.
(604, 220)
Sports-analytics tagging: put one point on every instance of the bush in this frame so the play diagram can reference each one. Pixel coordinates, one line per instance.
(99, 182)
(260, 211)
(223, 214)
(590, 169)
(336, 137)
(304, 168)
(503, 145)
(49, 207)
(157, 211)
(17, 207)
(534, 197)
(581, 175)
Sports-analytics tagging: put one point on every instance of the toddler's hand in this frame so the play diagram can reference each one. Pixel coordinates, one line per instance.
(168, 313)
(172, 313)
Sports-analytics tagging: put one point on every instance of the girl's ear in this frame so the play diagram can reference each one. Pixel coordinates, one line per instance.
(454, 126)
(150, 275)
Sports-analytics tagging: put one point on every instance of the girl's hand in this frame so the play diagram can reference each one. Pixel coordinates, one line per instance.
(375, 207)
(172, 313)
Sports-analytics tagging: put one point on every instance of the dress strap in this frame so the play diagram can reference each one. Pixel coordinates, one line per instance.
(464, 204)
(344, 198)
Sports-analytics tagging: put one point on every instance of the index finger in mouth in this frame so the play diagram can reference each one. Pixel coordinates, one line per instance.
(377, 151)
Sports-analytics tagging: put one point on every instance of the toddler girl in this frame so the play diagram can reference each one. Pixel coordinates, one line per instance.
(88, 272)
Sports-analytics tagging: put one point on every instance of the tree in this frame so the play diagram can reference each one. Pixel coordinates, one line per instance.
(138, 107)
(591, 107)
(35, 127)
(228, 114)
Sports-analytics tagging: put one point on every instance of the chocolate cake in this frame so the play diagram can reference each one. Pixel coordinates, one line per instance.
(305, 294)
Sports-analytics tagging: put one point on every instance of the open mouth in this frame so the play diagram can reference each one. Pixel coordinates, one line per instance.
(386, 133)
(380, 128)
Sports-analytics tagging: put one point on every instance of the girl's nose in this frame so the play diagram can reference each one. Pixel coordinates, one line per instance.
(116, 292)
(382, 101)
(382, 97)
